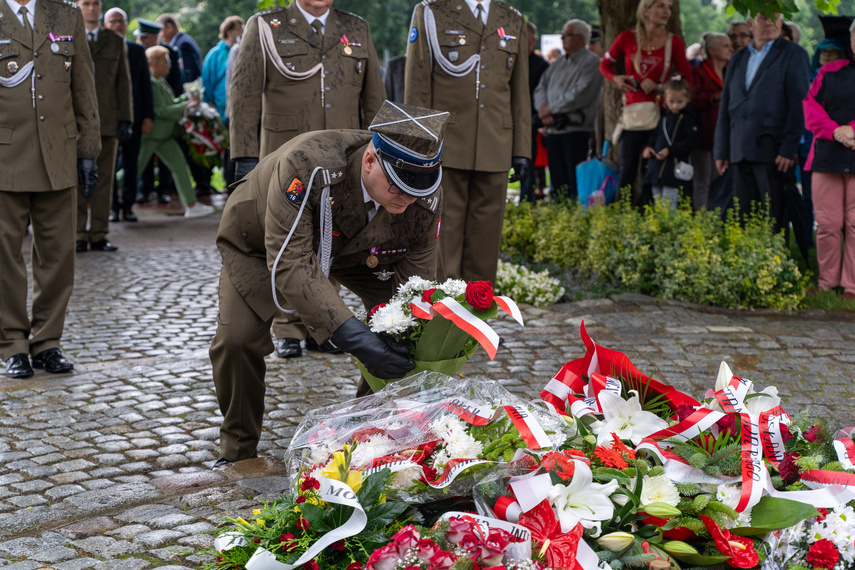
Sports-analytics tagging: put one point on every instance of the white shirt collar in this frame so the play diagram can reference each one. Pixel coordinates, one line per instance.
(366, 197)
(309, 17)
(94, 34)
(31, 10)
(485, 8)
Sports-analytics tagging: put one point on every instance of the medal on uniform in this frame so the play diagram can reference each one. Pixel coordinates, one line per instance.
(462, 40)
(54, 47)
(347, 50)
(503, 39)
(384, 275)
(67, 65)
(503, 43)
(12, 66)
(372, 261)
(452, 56)
(275, 23)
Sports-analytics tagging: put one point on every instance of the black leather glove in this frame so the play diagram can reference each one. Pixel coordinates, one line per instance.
(384, 359)
(521, 167)
(124, 132)
(87, 176)
(244, 166)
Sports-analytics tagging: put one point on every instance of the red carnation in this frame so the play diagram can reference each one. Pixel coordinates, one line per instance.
(788, 469)
(812, 434)
(785, 433)
(311, 565)
(684, 411)
(426, 295)
(302, 523)
(375, 309)
(300, 499)
(310, 483)
(725, 424)
(338, 545)
(823, 554)
(479, 294)
(822, 514)
(290, 543)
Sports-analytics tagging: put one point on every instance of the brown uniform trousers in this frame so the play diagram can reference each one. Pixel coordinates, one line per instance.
(285, 108)
(484, 132)
(42, 133)
(255, 222)
(113, 87)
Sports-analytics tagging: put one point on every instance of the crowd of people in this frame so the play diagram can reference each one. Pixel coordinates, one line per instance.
(737, 116)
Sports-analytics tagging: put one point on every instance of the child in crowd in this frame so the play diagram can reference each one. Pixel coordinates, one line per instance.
(167, 110)
(676, 136)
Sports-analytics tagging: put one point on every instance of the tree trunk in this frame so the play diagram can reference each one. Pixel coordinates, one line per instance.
(615, 17)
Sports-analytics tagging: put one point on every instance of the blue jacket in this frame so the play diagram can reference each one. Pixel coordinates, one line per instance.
(214, 76)
(767, 119)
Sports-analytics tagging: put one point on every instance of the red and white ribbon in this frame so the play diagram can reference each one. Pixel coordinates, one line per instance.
(510, 307)
(452, 469)
(530, 430)
(420, 309)
(845, 448)
(460, 316)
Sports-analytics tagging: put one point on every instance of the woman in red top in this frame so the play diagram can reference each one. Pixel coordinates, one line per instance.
(709, 83)
(643, 81)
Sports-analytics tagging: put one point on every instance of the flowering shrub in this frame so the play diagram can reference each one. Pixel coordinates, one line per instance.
(664, 253)
(526, 286)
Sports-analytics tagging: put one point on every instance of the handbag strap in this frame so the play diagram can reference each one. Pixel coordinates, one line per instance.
(668, 47)
(674, 132)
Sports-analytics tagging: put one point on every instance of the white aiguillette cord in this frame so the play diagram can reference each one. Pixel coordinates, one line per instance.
(461, 70)
(325, 247)
(268, 50)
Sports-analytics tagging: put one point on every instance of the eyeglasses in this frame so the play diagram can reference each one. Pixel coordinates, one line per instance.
(391, 189)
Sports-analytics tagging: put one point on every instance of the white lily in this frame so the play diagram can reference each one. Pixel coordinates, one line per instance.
(625, 418)
(754, 404)
(583, 501)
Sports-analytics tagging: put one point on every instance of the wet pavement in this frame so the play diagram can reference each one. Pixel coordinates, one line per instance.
(109, 467)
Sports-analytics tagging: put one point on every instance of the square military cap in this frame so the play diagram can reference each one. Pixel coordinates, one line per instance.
(408, 142)
(147, 27)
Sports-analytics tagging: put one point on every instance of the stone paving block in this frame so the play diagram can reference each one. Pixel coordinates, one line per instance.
(31, 486)
(111, 497)
(20, 547)
(64, 491)
(157, 538)
(25, 501)
(124, 564)
(77, 564)
(24, 565)
(54, 554)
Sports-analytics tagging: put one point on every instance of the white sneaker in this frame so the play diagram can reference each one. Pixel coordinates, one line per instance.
(198, 211)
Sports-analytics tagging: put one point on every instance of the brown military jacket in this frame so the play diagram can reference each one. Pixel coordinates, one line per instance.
(112, 81)
(353, 85)
(262, 210)
(484, 133)
(41, 139)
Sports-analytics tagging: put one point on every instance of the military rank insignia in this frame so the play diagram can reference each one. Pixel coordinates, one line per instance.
(295, 191)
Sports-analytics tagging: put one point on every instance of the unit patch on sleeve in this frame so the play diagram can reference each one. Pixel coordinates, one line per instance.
(295, 191)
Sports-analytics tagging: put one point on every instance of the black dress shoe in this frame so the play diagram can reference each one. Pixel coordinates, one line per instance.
(288, 348)
(103, 245)
(220, 463)
(141, 198)
(129, 217)
(18, 366)
(52, 361)
(81, 245)
(163, 199)
(326, 347)
(114, 216)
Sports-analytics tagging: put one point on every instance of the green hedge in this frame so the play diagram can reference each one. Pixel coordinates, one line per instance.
(667, 254)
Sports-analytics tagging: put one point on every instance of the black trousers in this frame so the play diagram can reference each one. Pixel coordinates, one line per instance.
(127, 161)
(528, 183)
(565, 151)
(630, 145)
(754, 183)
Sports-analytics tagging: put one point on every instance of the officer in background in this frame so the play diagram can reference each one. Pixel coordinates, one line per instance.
(49, 140)
(113, 88)
(471, 58)
(378, 193)
(322, 72)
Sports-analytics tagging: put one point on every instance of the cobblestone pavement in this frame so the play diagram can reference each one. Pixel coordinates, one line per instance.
(109, 467)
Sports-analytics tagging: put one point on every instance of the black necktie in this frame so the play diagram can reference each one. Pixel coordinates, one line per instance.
(91, 36)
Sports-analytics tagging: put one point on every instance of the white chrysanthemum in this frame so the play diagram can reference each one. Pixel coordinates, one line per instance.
(319, 454)
(405, 478)
(391, 319)
(453, 287)
(457, 443)
(376, 446)
(414, 286)
(730, 495)
(838, 527)
(659, 489)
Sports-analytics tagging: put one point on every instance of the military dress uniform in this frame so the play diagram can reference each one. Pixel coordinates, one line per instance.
(48, 119)
(478, 72)
(371, 258)
(292, 80)
(113, 87)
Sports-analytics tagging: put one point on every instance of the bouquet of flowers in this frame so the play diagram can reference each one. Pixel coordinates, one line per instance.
(204, 130)
(441, 324)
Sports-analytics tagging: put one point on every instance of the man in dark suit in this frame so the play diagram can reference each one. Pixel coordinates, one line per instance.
(191, 66)
(536, 66)
(143, 112)
(760, 116)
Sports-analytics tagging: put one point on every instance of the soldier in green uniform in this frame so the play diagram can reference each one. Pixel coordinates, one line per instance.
(306, 67)
(113, 87)
(470, 57)
(49, 140)
(360, 208)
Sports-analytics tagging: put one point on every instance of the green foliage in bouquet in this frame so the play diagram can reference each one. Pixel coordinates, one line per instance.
(683, 255)
(288, 526)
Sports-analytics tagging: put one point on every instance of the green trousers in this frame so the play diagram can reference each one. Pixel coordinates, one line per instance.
(170, 154)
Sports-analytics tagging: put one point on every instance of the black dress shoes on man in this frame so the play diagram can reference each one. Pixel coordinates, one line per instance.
(326, 347)
(114, 216)
(129, 216)
(18, 366)
(103, 245)
(288, 348)
(52, 361)
(81, 245)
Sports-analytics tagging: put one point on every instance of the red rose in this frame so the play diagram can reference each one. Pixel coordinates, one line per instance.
(479, 295)
(684, 411)
(426, 549)
(385, 558)
(823, 554)
(725, 424)
(788, 469)
(311, 565)
(427, 294)
(302, 523)
(493, 549)
(812, 434)
(442, 560)
(785, 433)
(338, 545)
(457, 529)
(375, 309)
